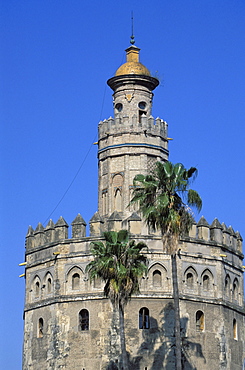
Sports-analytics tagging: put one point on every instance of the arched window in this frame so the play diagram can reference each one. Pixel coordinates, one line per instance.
(40, 328)
(206, 282)
(83, 320)
(142, 109)
(199, 321)
(37, 289)
(227, 286)
(189, 280)
(104, 202)
(75, 281)
(118, 200)
(234, 329)
(235, 290)
(144, 318)
(157, 278)
(117, 185)
(49, 285)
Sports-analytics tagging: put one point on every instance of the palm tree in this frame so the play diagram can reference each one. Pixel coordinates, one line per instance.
(120, 264)
(164, 198)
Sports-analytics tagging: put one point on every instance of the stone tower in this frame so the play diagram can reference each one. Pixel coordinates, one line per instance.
(133, 140)
(68, 322)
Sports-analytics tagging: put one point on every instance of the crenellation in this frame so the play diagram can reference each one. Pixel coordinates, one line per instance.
(134, 224)
(193, 231)
(30, 239)
(203, 231)
(233, 240)
(61, 229)
(134, 121)
(158, 123)
(78, 227)
(151, 123)
(216, 231)
(96, 225)
(114, 222)
(100, 129)
(226, 234)
(50, 231)
(39, 235)
(117, 121)
(239, 241)
(162, 129)
(110, 123)
(165, 128)
(124, 124)
(145, 121)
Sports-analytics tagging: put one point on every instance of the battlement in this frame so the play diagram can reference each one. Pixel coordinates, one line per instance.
(54, 232)
(146, 125)
(201, 232)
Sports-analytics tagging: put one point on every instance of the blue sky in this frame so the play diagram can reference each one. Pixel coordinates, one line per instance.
(55, 59)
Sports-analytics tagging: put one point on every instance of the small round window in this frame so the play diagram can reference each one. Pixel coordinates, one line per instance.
(119, 107)
(142, 105)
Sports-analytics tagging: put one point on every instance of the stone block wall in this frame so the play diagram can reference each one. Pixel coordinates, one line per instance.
(58, 289)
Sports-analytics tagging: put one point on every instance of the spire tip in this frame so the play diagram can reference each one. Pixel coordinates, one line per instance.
(132, 41)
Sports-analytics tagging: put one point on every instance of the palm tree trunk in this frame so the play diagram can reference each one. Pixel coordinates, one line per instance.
(122, 338)
(176, 311)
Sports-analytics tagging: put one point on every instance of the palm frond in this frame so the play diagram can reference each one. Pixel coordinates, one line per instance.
(163, 195)
(194, 199)
(119, 263)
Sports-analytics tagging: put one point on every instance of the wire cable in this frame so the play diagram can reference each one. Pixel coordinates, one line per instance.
(80, 167)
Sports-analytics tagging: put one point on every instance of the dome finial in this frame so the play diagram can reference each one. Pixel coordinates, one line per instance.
(132, 35)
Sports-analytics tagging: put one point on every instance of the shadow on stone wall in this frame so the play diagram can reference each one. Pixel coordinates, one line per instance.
(112, 366)
(158, 343)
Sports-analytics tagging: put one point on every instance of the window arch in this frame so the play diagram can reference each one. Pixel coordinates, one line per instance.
(36, 288)
(48, 284)
(227, 286)
(104, 201)
(199, 321)
(117, 184)
(234, 329)
(83, 320)
(40, 328)
(157, 278)
(75, 281)
(189, 280)
(235, 289)
(144, 318)
(118, 200)
(142, 109)
(206, 282)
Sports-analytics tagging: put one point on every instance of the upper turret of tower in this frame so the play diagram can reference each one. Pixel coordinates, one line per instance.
(133, 72)
(132, 86)
(130, 142)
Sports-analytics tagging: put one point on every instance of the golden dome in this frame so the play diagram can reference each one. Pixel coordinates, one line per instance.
(135, 68)
(132, 66)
